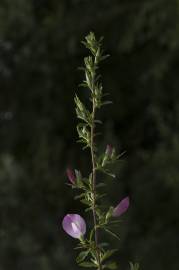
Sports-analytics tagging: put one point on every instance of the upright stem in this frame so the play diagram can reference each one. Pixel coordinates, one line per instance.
(94, 185)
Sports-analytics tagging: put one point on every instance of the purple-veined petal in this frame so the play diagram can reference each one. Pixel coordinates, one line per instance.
(121, 207)
(74, 225)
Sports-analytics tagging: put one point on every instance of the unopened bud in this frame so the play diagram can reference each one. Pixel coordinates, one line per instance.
(109, 150)
(71, 176)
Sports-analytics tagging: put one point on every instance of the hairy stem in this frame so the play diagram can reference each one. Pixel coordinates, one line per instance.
(94, 186)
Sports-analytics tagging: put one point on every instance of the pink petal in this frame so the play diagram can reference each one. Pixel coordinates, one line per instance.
(74, 225)
(121, 207)
(71, 175)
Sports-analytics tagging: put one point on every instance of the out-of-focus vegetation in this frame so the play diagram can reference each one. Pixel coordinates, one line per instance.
(40, 51)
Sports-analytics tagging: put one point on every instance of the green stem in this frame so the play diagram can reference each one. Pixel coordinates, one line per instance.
(94, 187)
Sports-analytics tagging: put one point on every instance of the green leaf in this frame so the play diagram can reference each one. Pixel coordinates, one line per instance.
(82, 195)
(106, 103)
(81, 257)
(81, 111)
(115, 222)
(112, 233)
(105, 57)
(109, 214)
(91, 235)
(98, 121)
(110, 174)
(134, 266)
(108, 254)
(104, 244)
(84, 134)
(88, 209)
(111, 266)
(87, 264)
(101, 196)
(105, 171)
(100, 185)
(86, 202)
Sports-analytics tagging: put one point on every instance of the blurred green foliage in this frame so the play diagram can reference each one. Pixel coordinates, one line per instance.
(40, 52)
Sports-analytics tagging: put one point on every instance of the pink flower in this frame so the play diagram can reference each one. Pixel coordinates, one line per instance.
(71, 175)
(121, 207)
(74, 225)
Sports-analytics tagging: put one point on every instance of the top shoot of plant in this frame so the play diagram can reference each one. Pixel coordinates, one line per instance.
(93, 252)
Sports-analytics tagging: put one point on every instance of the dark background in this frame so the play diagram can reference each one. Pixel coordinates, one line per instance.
(40, 51)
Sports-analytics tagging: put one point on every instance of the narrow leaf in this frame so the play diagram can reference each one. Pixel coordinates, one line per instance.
(87, 264)
(112, 233)
(81, 257)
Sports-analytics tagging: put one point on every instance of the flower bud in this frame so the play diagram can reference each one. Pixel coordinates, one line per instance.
(71, 176)
(74, 225)
(121, 207)
(109, 150)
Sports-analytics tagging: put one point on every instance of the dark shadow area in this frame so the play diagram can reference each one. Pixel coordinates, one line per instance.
(40, 52)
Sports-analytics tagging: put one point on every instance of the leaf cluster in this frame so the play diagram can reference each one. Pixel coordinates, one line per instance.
(94, 254)
(91, 195)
